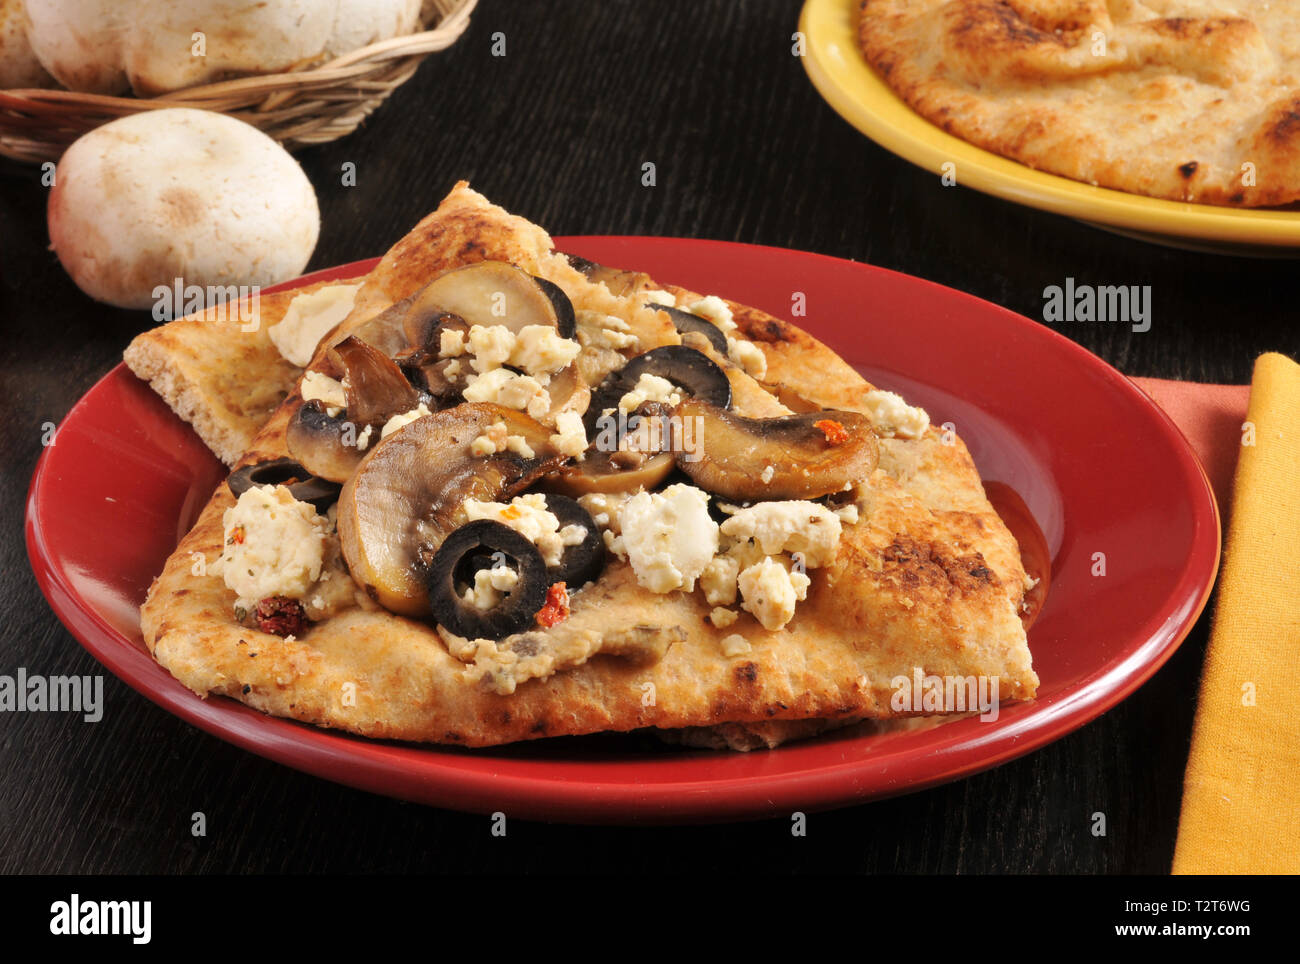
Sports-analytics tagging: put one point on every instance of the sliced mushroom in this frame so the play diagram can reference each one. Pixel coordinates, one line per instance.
(569, 392)
(735, 453)
(433, 375)
(466, 551)
(331, 447)
(376, 388)
(409, 493)
(302, 485)
(685, 322)
(495, 293)
(582, 563)
(612, 472)
(618, 281)
(687, 368)
(413, 322)
(326, 445)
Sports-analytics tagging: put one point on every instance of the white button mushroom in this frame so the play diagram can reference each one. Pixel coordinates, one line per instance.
(18, 64)
(179, 194)
(80, 42)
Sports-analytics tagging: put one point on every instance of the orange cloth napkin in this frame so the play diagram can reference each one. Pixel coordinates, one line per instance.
(1211, 417)
(1241, 793)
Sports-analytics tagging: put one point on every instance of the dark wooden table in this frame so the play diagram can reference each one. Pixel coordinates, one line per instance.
(557, 130)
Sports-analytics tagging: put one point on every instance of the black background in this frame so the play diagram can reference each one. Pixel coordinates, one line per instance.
(557, 130)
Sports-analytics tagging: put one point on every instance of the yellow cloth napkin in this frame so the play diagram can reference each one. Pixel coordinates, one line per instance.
(1241, 795)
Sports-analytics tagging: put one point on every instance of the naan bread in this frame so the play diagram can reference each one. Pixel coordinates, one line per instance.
(1191, 100)
(930, 578)
(222, 378)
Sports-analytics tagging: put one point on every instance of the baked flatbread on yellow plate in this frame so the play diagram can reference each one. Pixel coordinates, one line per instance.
(1190, 100)
(516, 494)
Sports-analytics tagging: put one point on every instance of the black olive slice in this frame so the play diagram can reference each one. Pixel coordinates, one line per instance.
(684, 321)
(565, 320)
(687, 368)
(584, 562)
(302, 485)
(465, 552)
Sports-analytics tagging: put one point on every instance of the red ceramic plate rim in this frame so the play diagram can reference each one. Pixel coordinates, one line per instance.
(698, 785)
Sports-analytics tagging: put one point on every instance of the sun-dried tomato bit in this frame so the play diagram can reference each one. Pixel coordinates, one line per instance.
(835, 433)
(236, 537)
(556, 609)
(280, 616)
(511, 512)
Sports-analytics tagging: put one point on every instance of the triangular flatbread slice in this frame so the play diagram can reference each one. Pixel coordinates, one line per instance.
(219, 369)
(929, 579)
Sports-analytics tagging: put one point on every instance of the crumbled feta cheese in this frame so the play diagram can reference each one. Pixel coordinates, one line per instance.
(519, 445)
(491, 346)
(768, 473)
(649, 388)
(363, 438)
(330, 392)
(719, 580)
(523, 393)
(490, 585)
(655, 296)
(274, 546)
(722, 617)
(669, 536)
(308, 319)
(748, 356)
(540, 351)
(603, 508)
(769, 592)
(735, 645)
(848, 514)
(892, 416)
(451, 343)
(614, 543)
(598, 330)
(492, 440)
(528, 515)
(715, 310)
(793, 526)
(570, 436)
(404, 419)
(451, 369)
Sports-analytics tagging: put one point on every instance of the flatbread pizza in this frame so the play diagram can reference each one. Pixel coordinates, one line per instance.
(515, 494)
(1190, 100)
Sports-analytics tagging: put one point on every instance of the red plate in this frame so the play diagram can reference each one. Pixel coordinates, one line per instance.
(1100, 466)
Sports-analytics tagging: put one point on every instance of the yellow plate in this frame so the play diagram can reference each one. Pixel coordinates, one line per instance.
(842, 76)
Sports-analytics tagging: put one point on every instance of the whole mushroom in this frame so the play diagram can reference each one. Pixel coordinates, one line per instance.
(179, 194)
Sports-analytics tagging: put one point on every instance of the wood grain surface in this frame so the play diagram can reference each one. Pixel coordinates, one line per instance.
(558, 130)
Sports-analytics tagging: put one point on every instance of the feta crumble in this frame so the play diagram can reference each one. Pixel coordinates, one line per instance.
(792, 526)
(769, 592)
(570, 436)
(330, 392)
(649, 388)
(715, 310)
(274, 546)
(890, 415)
(669, 537)
(308, 319)
(528, 515)
(735, 645)
(748, 356)
(402, 420)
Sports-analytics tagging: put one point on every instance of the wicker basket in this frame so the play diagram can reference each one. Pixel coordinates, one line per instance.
(299, 108)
